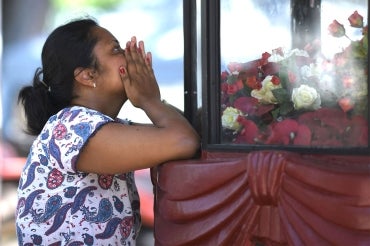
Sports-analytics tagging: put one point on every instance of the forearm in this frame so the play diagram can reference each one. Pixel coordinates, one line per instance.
(165, 115)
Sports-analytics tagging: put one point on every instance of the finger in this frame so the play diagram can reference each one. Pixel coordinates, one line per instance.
(141, 49)
(134, 64)
(133, 44)
(137, 52)
(148, 59)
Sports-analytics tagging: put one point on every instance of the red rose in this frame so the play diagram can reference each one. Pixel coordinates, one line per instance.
(232, 89)
(224, 76)
(249, 133)
(224, 87)
(239, 84)
(275, 80)
(264, 59)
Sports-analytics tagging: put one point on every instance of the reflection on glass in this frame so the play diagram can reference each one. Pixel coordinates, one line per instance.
(277, 90)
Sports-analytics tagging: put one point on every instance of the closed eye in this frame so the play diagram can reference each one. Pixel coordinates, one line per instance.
(118, 49)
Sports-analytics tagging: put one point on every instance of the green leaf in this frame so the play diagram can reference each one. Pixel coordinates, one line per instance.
(281, 95)
(232, 79)
(286, 108)
(284, 78)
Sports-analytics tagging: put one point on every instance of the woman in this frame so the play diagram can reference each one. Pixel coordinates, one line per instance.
(77, 186)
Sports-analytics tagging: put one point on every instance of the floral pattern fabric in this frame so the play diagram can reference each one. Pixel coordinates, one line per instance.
(58, 205)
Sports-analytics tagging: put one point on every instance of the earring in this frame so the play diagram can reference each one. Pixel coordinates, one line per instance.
(94, 85)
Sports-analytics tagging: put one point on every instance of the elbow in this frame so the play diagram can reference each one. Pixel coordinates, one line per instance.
(190, 145)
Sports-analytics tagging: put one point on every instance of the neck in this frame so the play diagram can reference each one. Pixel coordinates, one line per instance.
(112, 110)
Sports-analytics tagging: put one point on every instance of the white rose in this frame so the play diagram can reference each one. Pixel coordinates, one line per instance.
(306, 97)
(275, 58)
(297, 52)
(229, 118)
(265, 95)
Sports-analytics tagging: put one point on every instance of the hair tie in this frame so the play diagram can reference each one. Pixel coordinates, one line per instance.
(46, 86)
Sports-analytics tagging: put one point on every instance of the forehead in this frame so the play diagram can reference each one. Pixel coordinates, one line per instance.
(104, 36)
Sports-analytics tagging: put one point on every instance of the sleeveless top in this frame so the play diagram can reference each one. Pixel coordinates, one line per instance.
(58, 205)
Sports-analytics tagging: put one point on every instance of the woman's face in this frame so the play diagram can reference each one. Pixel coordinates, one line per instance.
(110, 57)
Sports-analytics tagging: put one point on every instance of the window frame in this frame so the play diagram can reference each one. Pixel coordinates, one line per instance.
(210, 76)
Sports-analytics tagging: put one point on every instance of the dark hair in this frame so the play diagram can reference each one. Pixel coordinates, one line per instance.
(67, 47)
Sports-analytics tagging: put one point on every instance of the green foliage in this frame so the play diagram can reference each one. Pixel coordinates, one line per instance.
(98, 4)
(283, 97)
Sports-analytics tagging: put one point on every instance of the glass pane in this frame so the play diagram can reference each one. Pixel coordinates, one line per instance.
(294, 75)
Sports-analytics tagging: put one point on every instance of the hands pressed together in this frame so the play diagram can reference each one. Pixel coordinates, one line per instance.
(138, 77)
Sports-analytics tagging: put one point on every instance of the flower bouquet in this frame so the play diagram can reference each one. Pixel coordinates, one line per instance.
(300, 97)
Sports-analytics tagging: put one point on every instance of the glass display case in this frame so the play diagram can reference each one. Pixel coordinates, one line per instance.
(282, 104)
(288, 75)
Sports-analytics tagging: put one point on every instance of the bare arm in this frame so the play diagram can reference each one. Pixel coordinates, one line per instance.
(118, 148)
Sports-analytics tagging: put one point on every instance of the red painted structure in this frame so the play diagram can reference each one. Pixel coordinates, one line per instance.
(271, 197)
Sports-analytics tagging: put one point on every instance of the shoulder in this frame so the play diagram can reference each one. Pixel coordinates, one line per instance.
(77, 113)
(74, 120)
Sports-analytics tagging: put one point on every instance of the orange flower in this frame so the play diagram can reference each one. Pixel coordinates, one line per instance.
(253, 83)
(356, 20)
(346, 104)
(336, 29)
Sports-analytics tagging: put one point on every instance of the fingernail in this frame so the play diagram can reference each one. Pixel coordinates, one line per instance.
(122, 70)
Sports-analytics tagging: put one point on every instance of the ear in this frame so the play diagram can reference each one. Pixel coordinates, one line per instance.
(84, 76)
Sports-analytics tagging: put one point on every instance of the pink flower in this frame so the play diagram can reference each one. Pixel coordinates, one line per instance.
(234, 67)
(356, 20)
(336, 29)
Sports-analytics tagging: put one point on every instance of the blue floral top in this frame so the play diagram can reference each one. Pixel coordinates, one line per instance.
(58, 205)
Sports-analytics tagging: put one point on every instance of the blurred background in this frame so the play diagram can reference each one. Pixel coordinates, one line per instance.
(25, 26)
